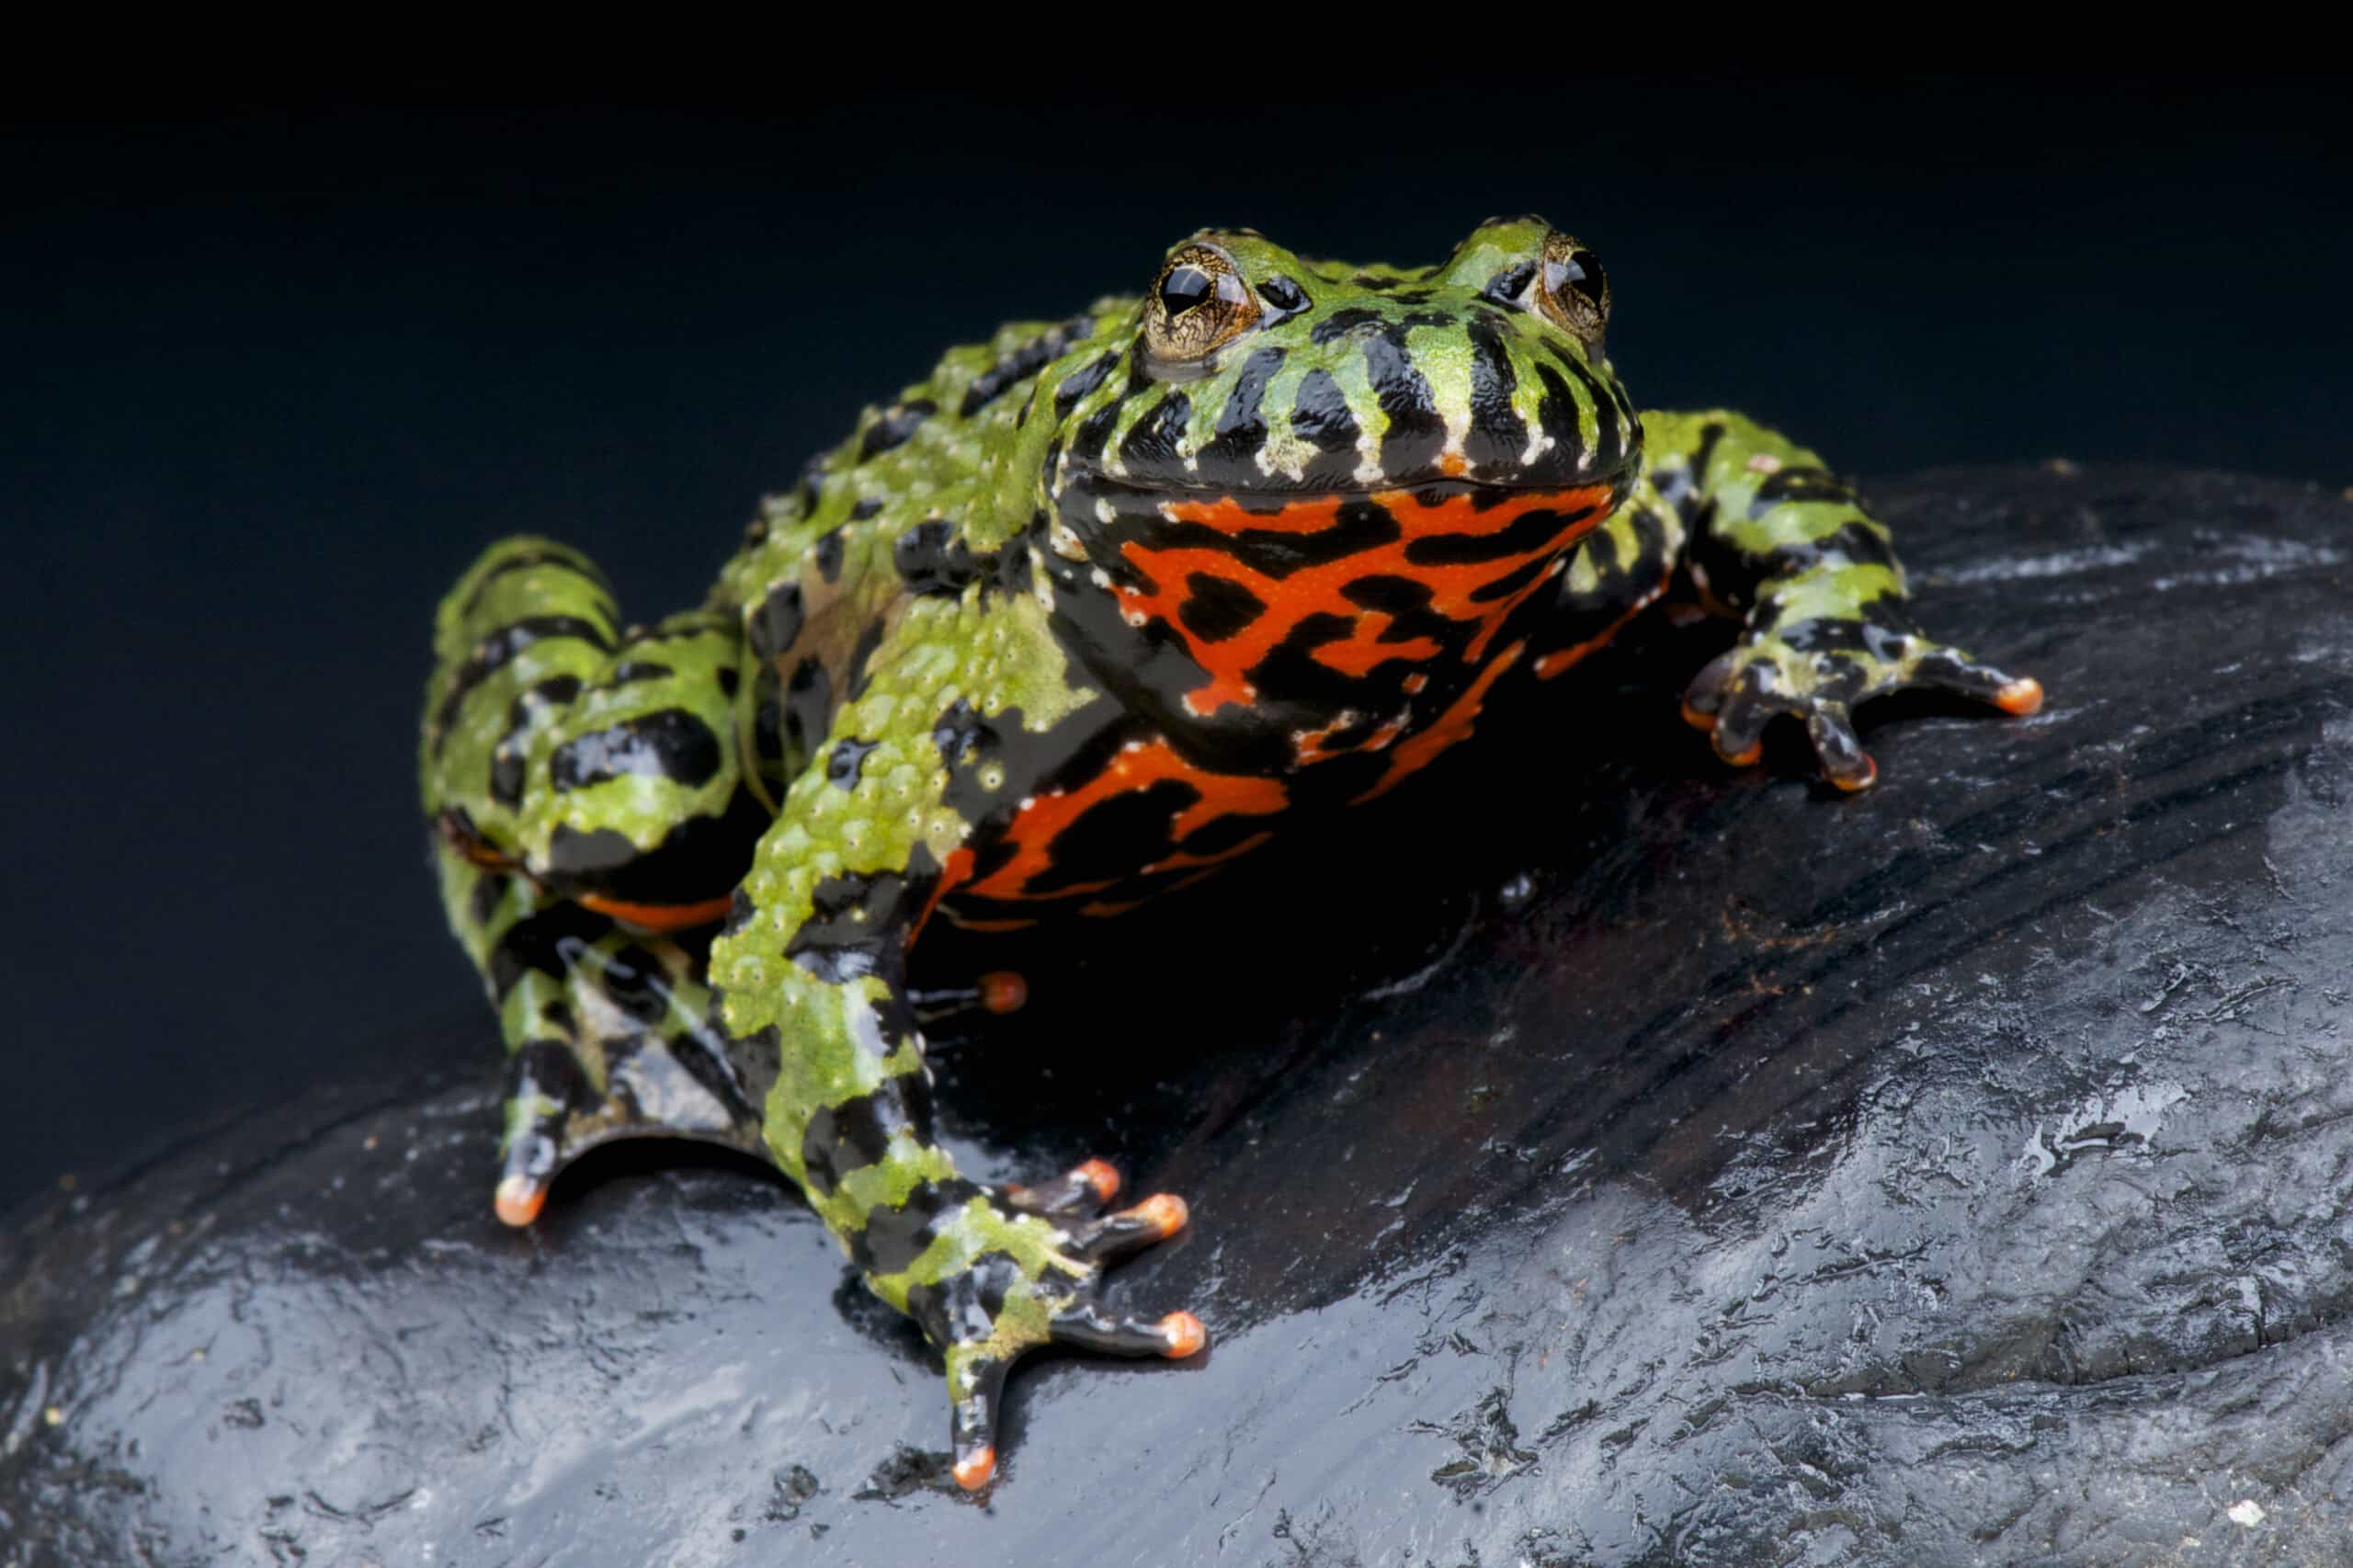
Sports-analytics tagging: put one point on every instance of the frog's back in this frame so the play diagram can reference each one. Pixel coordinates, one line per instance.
(889, 508)
(919, 500)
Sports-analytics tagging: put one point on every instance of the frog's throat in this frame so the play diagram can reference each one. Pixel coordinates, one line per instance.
(1372, 586)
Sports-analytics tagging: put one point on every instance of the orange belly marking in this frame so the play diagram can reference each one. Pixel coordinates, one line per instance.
(1415, 753)
(1319, 590)
(1044, 818)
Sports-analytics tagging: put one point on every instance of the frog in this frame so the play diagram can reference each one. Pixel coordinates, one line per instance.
(1098, 607)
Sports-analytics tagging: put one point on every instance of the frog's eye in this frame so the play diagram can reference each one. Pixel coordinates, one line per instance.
(1200, 302)
(1571, 288)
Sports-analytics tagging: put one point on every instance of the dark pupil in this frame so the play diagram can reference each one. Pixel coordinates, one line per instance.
(1579, 271)
(1183, 288)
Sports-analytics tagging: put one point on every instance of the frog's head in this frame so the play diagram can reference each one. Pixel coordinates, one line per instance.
(1431, 440)
(1253, 371)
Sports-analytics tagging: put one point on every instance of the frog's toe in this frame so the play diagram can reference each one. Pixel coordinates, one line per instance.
(1948, 669)
(977, 1388)
(976, 1382)
(518, 1200)
(1844, 761)
(539, 1084)
(1155, 1219)
(1087, 1326)
(1082, 1189)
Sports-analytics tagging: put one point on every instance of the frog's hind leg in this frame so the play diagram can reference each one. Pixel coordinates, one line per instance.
(589, 818)
(608, 1032)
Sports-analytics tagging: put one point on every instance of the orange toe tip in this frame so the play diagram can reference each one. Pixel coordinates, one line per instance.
(1697, 720)
(973, 1471)
(1002, 991)
(1185, 1335)
(1853, 782)
(2020, 698)
(1099, 1175)
(1748, 758)
(518, 1201)
(1165, 1212)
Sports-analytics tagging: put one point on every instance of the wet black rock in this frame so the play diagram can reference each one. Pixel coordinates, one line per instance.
(1615, 1161)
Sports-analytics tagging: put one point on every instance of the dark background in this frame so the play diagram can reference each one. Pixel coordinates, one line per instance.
(275, 371)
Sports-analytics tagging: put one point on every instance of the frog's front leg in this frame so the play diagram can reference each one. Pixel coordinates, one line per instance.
(810, 969)
(1778, 540)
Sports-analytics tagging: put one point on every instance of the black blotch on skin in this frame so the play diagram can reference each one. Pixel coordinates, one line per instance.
(1241, 430)
(865, 508)
(671, 743)
(1416, 433)
(489, 889)
(847, 1137)
(1339, 323)
(1319, 415)
(1012, 571)
(1153, 440)
(1024, 361)
(846, 761)
(776, 625)
(728, 681)
(1511, 581)
(1087, 442)
(1062, 756)
(827, 555)
(894, 426)
(1801, 484)
(700, 856)
(814, 480)
(1522, 535)
(855, 922)
(498, 650)
(1505, 288)
(1112, 838)
(1610, 414)
(1391, 595)
(546, 1068)
(523, 560)
(754, 1060)
(509, 759)
(1217, 608)
(867, 641)
(895, 1238)
(1497, 436)
(1357, 526)
(808, 706)
(1556, 412)
(1081, 382)
(633, 980)
(959, 728)
(1885, 620)
(1282, 296)
(933, 558)
(548, 940)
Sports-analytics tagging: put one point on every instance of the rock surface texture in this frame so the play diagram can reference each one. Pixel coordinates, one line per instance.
(1595, 1158)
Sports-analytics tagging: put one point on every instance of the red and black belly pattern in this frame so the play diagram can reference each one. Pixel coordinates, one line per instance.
(1263, 655)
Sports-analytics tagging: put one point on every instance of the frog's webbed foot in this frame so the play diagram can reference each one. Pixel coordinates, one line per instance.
(656, 1087)
(1819, 672)
(1035, 1284)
